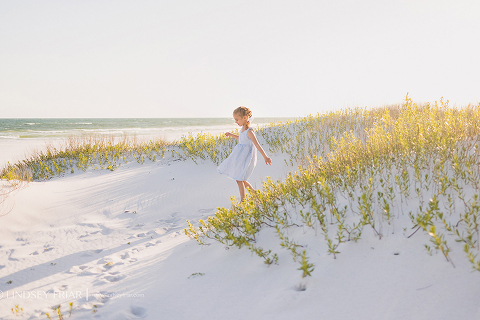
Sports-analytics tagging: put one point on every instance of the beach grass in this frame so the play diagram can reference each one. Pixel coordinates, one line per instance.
(106, 152)
(362, 168)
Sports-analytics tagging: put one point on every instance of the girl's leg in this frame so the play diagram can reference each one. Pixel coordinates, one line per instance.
(241, 188)
(249, 186)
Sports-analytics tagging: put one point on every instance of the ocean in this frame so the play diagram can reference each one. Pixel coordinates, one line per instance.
(171, 128)
(19, 137)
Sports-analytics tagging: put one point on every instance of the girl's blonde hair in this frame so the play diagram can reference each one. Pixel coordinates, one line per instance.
(242, 112)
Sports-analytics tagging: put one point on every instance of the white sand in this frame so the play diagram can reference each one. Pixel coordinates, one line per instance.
(113, 242)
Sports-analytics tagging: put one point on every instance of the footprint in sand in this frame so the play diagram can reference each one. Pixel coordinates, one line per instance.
(77, 269)
(128, 256)
(105, 230)
(25, 242)
(91, 306)
(96, 270)
(104, 296)
(138, 235)
(111, 261)
(47, 248)
(161, 231)
(116, 260)
(110, 265)
(174, 218)
(91, 271)
(12, 251)
(119, 257)
(167, 224)
(137, 311)
(58, 289)
(114, 277)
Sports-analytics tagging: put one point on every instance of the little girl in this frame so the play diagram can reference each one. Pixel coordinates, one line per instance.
(240, 163)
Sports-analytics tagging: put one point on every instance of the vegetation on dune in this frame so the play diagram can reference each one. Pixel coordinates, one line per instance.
(102, 152)
(81, 153)
(206, 146)
(362, 168)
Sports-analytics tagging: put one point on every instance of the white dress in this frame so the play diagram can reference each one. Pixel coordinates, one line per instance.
(240, 163)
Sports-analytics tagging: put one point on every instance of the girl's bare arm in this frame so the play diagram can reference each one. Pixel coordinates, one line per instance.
(252, 136)
(228, 134)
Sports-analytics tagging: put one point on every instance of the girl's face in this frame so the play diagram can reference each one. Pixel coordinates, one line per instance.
(239, 120)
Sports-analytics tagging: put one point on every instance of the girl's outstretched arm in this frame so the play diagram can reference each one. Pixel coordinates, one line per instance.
(228, 134)
(252, 136)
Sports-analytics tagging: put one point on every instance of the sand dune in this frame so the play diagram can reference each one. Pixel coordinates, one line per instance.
(113, 244)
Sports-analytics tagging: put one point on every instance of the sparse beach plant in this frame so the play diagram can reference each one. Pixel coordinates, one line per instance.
(17, 310)
(306, 267)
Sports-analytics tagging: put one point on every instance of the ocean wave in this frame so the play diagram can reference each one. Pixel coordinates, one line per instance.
(47, 131)
(64, 128)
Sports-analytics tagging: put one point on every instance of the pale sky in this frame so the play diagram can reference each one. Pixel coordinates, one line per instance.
(194, 58)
